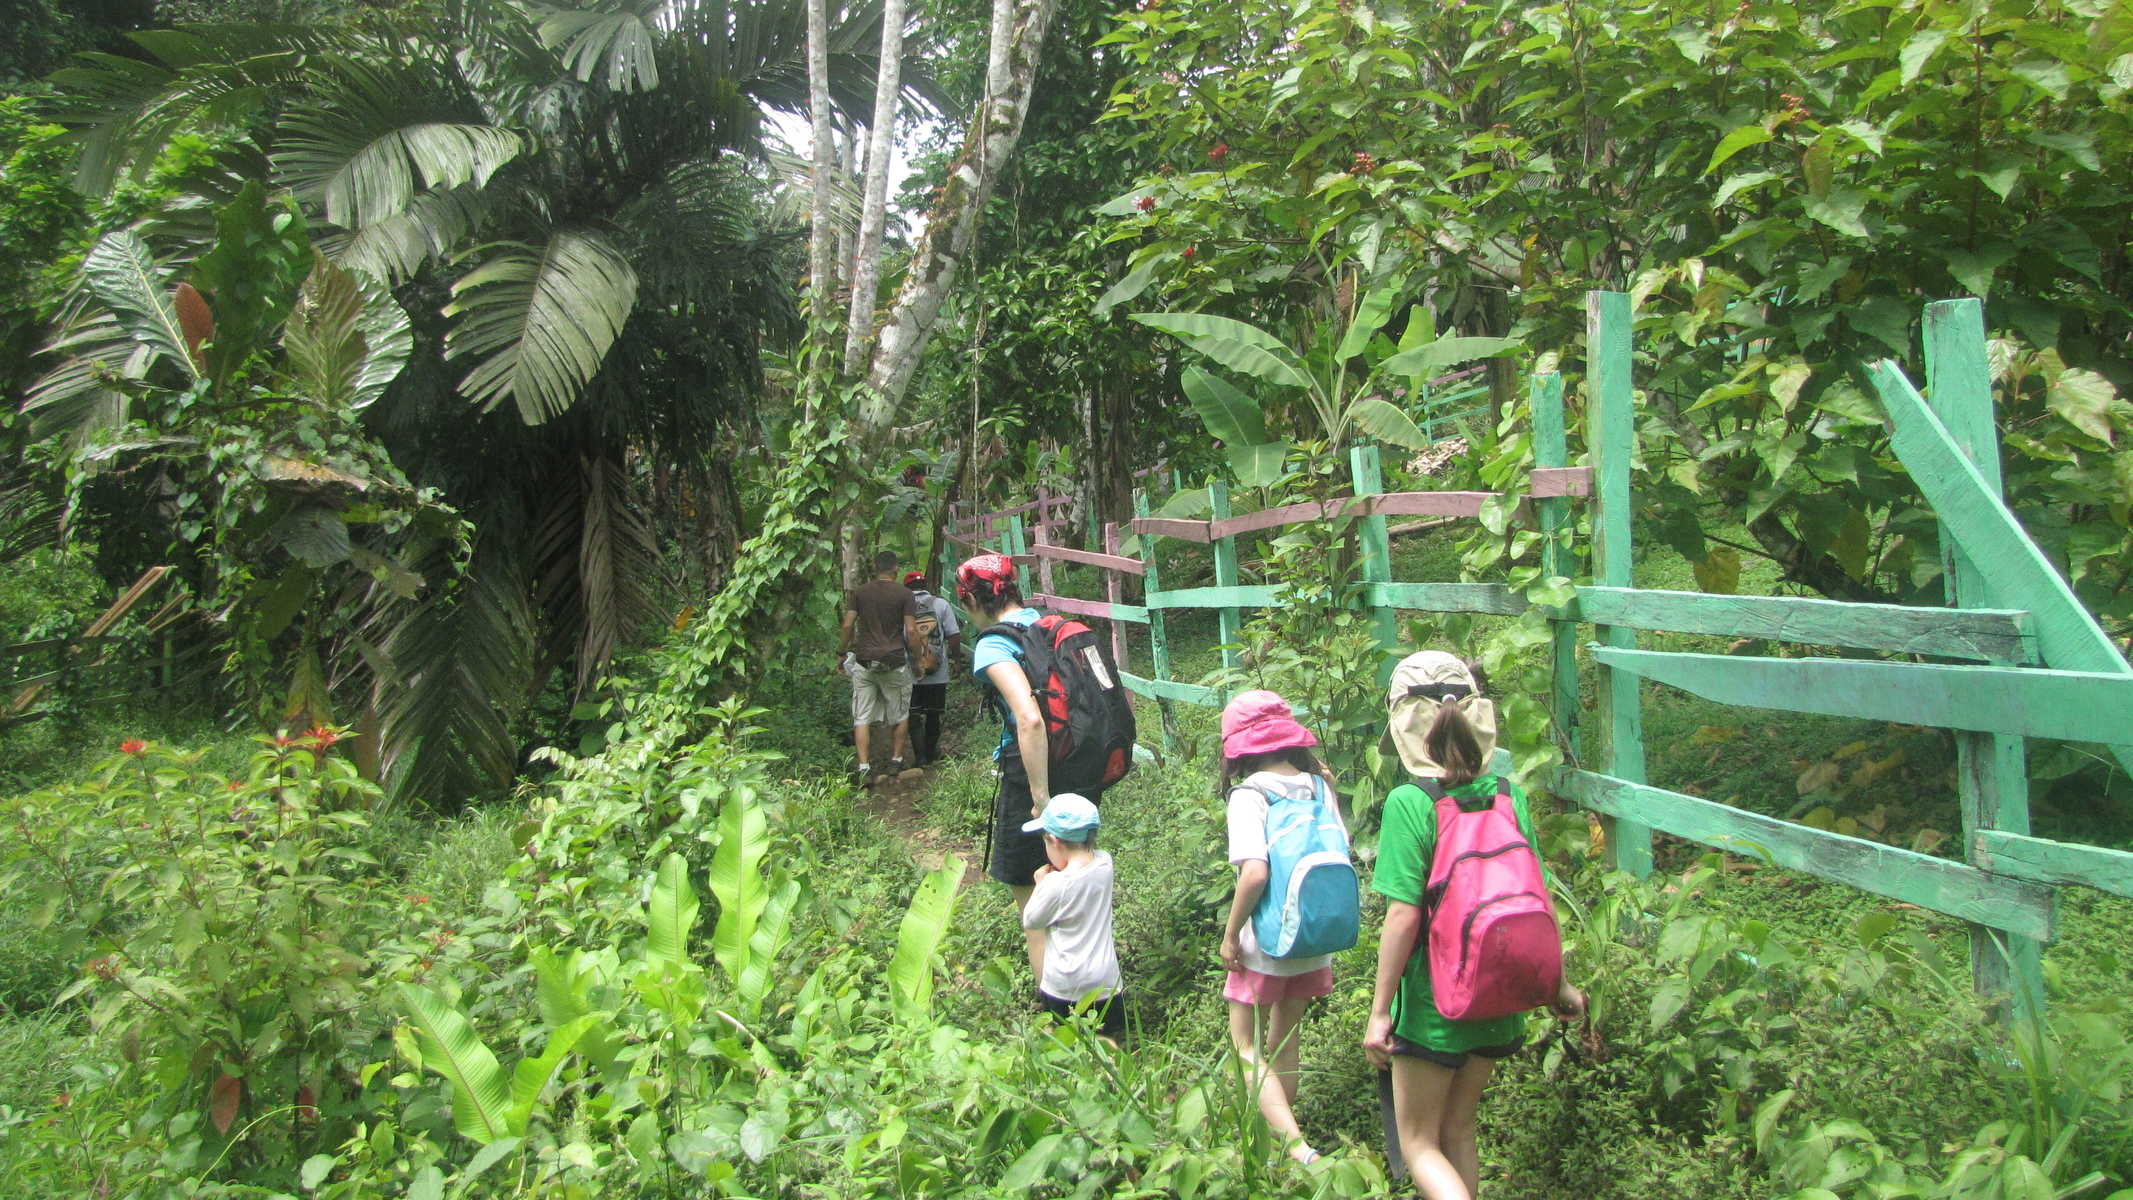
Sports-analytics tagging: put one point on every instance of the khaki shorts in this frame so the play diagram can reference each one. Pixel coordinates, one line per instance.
(880, 696)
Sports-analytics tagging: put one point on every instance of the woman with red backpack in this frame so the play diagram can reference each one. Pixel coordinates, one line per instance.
(1469, 941)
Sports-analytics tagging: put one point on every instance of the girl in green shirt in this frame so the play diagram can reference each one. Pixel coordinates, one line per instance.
(1444, 731)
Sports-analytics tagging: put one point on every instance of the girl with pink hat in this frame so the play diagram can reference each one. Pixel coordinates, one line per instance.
(1266, 755)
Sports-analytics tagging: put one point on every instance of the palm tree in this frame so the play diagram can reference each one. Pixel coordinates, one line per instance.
(572, 203)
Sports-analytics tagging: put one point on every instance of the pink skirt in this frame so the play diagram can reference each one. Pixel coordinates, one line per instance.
(1253, 987)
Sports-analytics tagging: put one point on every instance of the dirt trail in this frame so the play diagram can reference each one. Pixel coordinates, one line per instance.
(897, 799)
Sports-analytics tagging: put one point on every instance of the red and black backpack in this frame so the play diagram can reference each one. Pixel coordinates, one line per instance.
(1088, 713)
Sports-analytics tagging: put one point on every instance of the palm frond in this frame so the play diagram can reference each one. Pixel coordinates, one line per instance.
(80, 396)
(346, 341)
(431, 227)
(539, 320)
(374, 136)
(617, 42)
(464, 661)
(618, 562)
(126, 110)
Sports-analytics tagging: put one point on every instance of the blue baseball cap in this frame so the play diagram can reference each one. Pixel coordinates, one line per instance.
(1068, 817)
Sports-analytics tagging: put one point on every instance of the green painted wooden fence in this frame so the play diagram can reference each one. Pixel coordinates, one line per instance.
(2033, 661)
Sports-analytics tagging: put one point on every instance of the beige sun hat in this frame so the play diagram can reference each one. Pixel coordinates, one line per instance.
(1409, 713)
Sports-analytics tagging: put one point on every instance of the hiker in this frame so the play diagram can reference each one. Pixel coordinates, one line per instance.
(929, 693)
(1267, 759)
(1445, 732)
(876, 647)
(1071, 906)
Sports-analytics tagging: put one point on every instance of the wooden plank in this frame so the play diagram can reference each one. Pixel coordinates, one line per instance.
(1251, 595)
(2068, 638)
(1547, 482)
(1366, 471)
(1179, 528)
(1115, 594)
(2082, 706)
(1447, 597)
(1158, 630)
(1551, 449)
(1043, 534)
(2045, 861)
(1611, 435)
(1957, 889)
(1089, 558)
(1273, 518)
(1170, 689)
(1228, 620)
(1984, 635)
(974, 543)
(1991, 769)
(1430, 504)
(1103, 609)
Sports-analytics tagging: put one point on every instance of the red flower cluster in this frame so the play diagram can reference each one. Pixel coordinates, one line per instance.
(133, 746)
(1795, 106)
(1220, 152)
(320, 736)
(1188, 252)
(1364, 164)
(1145, 204)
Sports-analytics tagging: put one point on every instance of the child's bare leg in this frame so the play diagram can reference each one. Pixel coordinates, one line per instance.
(1420, 1093)
(1282, 1037)
(1456, 1133)
(1249, 1030)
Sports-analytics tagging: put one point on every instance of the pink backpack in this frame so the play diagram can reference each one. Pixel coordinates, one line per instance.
(1494, 948)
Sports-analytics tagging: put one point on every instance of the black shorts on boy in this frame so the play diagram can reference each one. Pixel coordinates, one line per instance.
(1109, 1013)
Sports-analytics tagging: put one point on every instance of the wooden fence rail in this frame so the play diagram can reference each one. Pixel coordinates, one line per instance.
(2033, 661)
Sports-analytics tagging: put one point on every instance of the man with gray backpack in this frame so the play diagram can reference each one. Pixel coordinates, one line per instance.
(943, 644)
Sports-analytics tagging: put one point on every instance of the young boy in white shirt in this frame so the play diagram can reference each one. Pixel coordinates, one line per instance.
(1071, 904)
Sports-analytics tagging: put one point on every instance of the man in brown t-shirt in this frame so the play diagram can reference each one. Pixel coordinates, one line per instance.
(877, 649)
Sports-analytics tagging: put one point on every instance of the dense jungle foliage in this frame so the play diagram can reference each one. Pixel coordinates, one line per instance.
(453, 803)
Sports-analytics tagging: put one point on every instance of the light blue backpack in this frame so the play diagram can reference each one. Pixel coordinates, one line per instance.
(1312, 904)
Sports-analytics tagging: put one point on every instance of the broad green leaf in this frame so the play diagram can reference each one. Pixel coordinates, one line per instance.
(2049, 76)
(481, 1105)
(1386, 423)
(1135, 282)
(1735, 142)
(1736, 184)
(1370, 316)
(1974, 269)
(737, 880)
(123, 275)
(671, 913)
(1919, 51)
(2078, 146)
(1718, 571)
(370, 144)
(488, 1156)
(2083, 398)
(772, 932)
(1233, 344)
(1421, 328)
(1228, 413)
(530, 1077)
(1841, 210)
(315, 534)
(1785, 388)
(1258, 466)
(428, 1184)
(1767, 1115)
(1034, 1164)
(540, 320)
(919, 935)
(1430, 358)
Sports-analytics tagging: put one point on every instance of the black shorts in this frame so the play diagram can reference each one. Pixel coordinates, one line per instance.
(1109, 1012)
(1451, 1060)
(1017, 855)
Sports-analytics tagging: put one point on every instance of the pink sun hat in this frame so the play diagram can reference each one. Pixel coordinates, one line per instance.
(1259, 722)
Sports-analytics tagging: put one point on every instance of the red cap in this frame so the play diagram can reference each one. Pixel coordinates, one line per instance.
(993, 568)
(914, 578)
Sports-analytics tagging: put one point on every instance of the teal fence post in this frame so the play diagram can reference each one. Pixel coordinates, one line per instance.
(1228, 619)
(1115, 592)
(1551, 448)
(1158, 634)
(1991, 768)
(1611, 434)
(1017, 543)
(1367, 472)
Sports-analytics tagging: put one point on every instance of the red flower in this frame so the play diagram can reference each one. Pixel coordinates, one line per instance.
(133, 746)
(1364, 164)
(283, 739)
(417, 898)
(1188, 252)
(1220, 152)
(1145, 204)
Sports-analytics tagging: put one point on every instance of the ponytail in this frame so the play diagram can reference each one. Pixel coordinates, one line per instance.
(1453, 745)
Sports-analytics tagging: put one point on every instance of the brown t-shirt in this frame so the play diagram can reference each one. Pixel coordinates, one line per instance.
(882, 605)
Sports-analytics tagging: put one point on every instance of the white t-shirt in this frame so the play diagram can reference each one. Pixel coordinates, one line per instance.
(1247, 843)
(1075, 905)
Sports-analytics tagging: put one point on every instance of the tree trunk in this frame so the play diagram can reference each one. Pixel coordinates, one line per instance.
(1018, 28)
(881, 144)
(822, 246)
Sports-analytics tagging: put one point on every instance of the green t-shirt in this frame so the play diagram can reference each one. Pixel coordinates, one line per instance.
(1406, 844)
